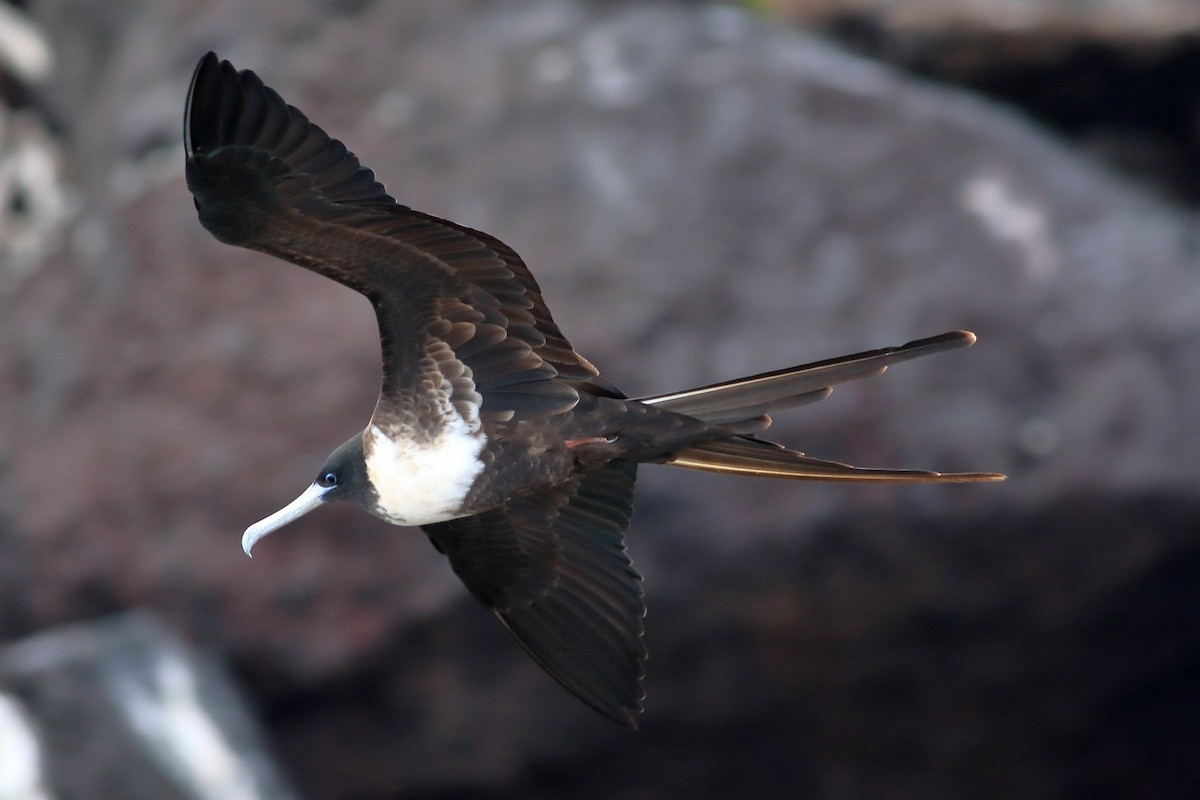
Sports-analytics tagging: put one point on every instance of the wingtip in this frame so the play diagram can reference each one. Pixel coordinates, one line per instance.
(628, 719)
(968, 338)
(624, 715)
(961, 338)
(207, 63)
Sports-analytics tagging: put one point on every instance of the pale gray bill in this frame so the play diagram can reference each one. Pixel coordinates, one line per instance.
(309, 499)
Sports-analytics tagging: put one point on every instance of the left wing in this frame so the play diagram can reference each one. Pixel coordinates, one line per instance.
(266, 178)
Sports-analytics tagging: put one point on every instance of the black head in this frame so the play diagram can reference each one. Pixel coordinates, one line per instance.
(342, 477)
(344, 474)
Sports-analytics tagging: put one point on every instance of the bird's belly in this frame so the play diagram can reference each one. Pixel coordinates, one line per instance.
(422, 482)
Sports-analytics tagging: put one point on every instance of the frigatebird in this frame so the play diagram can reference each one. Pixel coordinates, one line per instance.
(491, 433)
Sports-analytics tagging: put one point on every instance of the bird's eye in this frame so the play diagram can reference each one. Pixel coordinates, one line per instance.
(327, 479)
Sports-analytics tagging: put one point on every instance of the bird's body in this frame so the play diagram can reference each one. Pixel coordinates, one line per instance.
(491, 433)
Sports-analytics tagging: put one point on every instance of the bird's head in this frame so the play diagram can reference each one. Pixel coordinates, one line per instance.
(342, 477)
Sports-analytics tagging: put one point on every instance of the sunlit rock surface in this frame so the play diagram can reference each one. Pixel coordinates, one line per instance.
(121, 710)
(22, 764)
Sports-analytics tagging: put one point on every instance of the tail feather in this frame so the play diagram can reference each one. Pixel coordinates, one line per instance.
(744, 456)
(743, 404)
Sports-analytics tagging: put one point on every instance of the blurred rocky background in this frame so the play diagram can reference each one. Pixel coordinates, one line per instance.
(1116, 76)
(703, 191)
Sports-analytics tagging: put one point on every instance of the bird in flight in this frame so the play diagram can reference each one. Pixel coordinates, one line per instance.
(491, 433)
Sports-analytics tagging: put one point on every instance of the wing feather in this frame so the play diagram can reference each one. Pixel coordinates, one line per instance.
(266, 178)
(552, 566)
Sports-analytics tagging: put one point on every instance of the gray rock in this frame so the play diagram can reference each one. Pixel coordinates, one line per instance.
(120, 710)
(701, 196)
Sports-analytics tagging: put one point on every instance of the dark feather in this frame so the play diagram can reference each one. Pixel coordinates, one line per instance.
(748, 400)
(266, 178)
(552, 566)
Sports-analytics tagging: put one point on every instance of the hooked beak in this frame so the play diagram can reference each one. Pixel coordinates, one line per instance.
(312, 497)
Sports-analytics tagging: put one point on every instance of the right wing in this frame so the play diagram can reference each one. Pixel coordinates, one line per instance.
(552, 567)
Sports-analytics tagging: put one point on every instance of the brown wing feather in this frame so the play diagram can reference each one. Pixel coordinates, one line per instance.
(552, 567)
(266, 178)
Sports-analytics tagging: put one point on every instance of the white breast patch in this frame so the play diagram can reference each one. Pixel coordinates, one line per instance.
(423, 482)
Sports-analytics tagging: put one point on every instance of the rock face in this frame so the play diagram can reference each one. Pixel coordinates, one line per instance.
(119, 709)
(701, 196)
